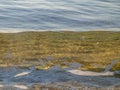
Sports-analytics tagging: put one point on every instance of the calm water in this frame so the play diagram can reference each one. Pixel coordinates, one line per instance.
(60, 14)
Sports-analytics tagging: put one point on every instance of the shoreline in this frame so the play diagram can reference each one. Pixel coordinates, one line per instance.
(61, 30)
(41, 56)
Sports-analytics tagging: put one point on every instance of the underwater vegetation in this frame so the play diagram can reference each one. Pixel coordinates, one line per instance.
(94, 50)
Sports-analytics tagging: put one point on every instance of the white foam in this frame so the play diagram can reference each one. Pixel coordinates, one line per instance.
(90, 73)
(1, 86)
(13, 30)
(56, 30)
(22, 74)
(21, 86)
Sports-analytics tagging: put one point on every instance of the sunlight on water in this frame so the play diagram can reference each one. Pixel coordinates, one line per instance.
(60, 14)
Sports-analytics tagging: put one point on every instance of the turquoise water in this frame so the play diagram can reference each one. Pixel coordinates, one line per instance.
(79, 15)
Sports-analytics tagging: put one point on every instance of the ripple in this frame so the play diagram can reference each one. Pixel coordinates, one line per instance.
(60, 14)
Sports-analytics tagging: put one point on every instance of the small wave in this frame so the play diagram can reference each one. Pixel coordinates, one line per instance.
(59, 14)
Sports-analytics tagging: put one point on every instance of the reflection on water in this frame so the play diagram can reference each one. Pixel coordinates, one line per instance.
(60, 14)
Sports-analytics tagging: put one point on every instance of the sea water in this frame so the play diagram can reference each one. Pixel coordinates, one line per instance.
(58, 15)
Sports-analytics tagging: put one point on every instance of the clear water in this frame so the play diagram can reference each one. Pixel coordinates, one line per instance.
(76, 15)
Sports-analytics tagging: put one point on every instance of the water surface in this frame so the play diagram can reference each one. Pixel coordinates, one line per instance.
(60, 14)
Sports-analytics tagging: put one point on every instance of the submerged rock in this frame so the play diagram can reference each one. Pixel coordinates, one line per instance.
(49, 58)
(75, 65)
(56, 67)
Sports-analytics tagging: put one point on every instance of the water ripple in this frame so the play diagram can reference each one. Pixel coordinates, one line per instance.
(60, 14)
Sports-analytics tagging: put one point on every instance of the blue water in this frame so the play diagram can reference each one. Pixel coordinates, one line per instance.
(76, 15)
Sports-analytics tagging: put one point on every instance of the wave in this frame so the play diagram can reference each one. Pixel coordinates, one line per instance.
(59, 14)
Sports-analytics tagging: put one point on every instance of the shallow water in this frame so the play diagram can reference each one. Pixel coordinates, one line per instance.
(56, 75)
(56, 78)
(79, 15)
